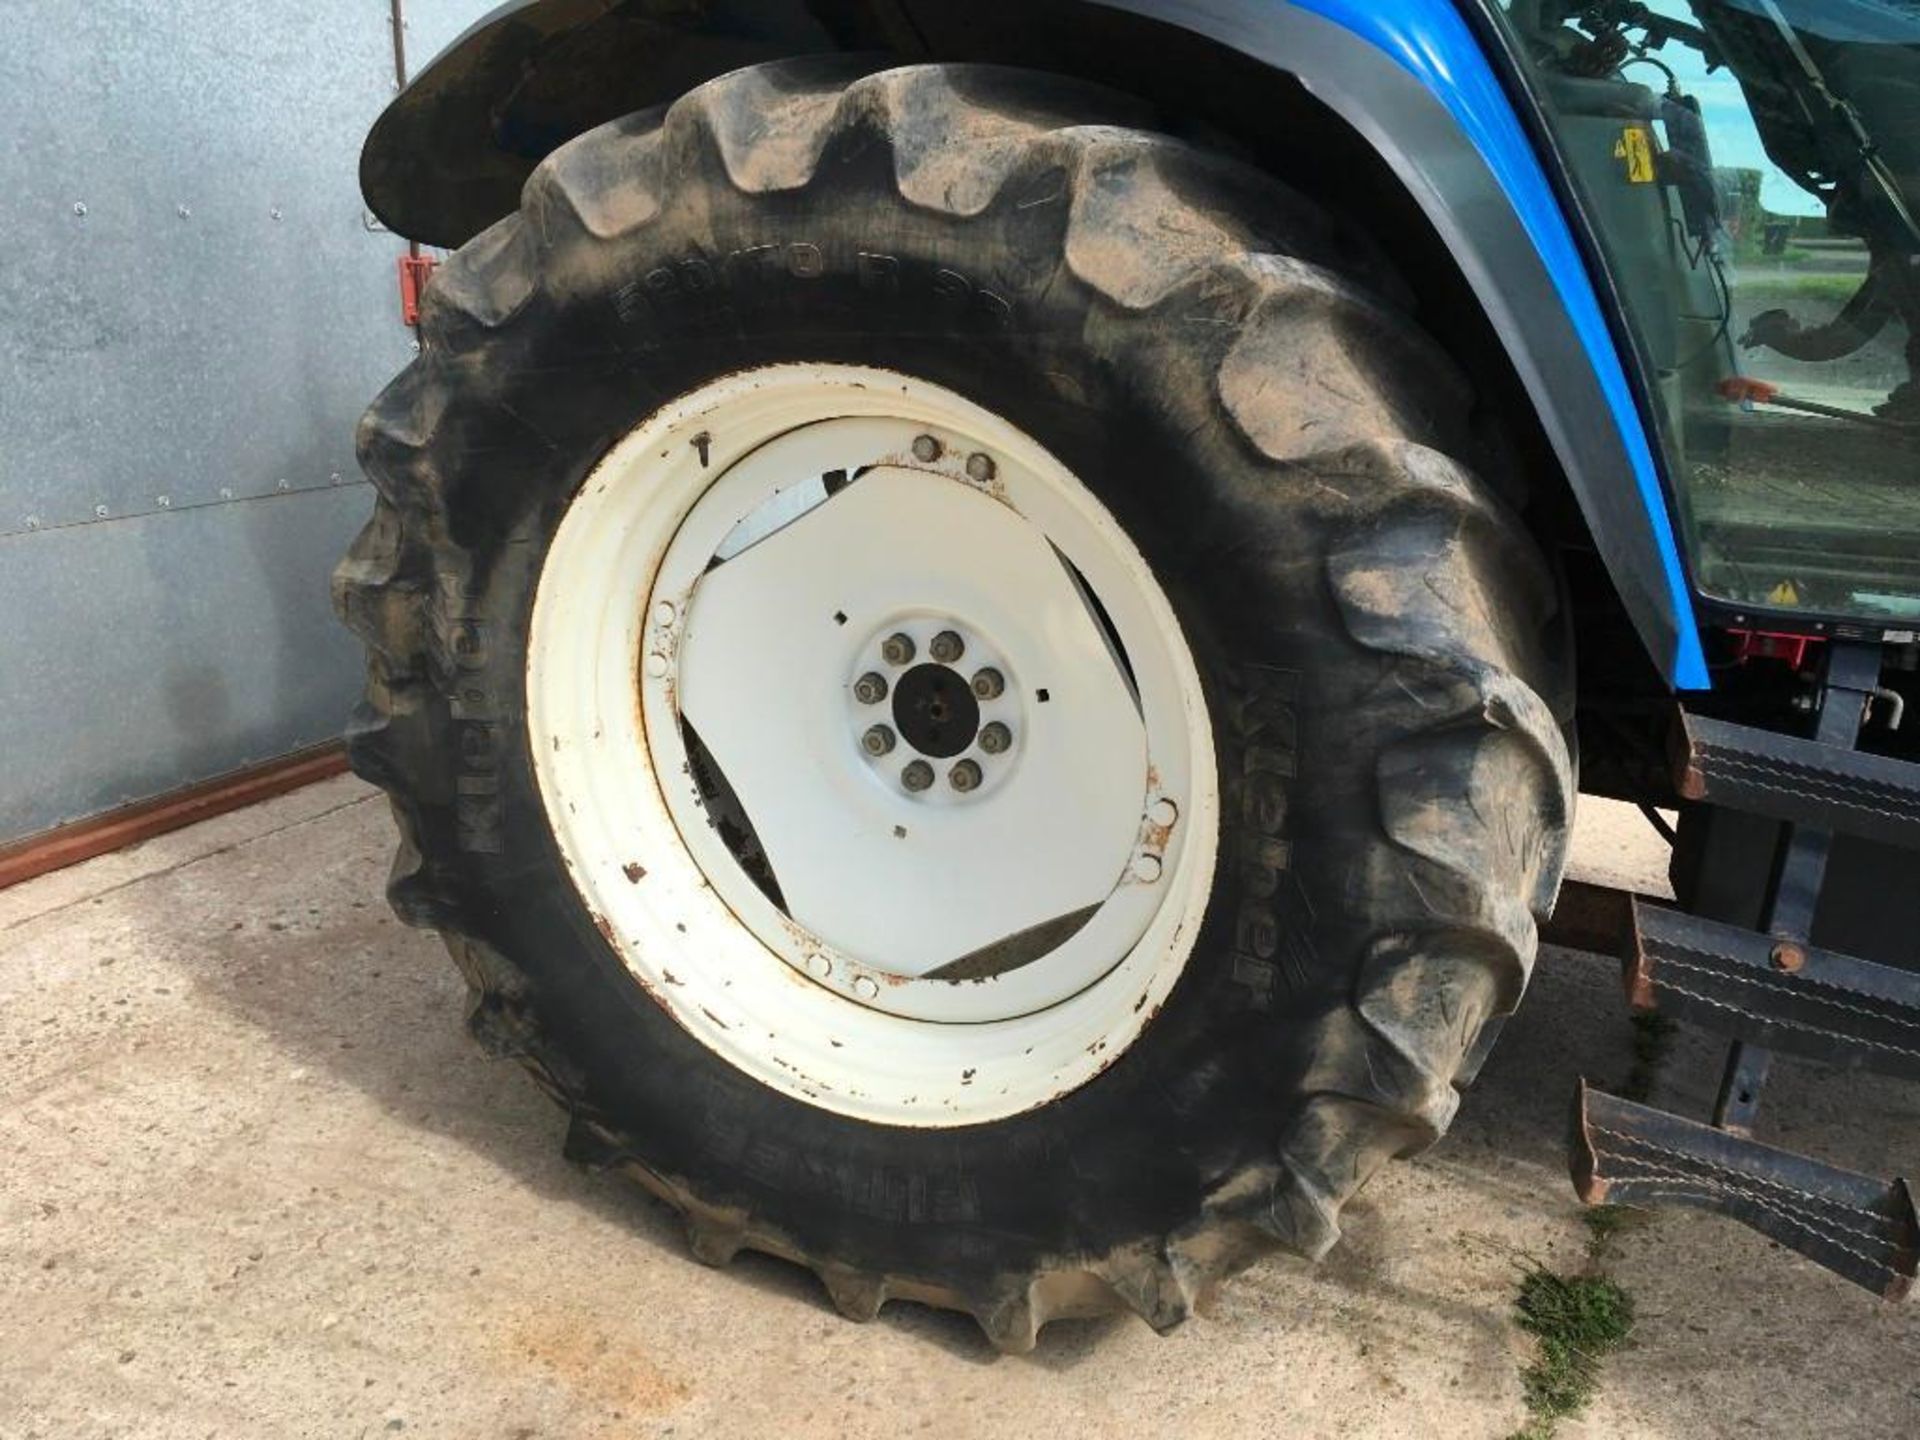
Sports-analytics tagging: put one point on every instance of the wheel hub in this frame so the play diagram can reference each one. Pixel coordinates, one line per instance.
(932, 708)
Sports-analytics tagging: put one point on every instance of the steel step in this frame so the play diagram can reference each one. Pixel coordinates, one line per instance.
(1857, 1226)
(1782, 776)
(1787, 996)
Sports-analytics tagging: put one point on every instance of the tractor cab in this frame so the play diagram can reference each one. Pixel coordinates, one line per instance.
(1752, 172)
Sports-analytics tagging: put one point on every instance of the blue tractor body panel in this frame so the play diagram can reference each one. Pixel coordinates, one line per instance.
(1435, 44)
(1414, 79)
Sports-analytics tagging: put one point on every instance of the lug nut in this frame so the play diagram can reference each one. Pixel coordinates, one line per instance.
(965, 776)
(897, 649)
(917, 776)
(877, 741)
(980, 468)
(988, 683)
(870, 689)
(926, 449)
(946, 647)
(996, 738)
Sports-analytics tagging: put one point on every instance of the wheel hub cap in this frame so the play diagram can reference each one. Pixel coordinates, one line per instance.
(936, 711)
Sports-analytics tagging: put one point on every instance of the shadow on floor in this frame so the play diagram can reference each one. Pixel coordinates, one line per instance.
(338, 983)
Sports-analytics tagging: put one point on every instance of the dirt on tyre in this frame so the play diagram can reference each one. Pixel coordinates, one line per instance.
(945, 675)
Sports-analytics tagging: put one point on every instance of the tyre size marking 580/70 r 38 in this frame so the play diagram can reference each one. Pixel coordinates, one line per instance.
(696, 279)
(895, 1194)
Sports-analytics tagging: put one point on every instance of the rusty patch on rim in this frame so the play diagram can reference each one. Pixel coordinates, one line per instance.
(605, 927)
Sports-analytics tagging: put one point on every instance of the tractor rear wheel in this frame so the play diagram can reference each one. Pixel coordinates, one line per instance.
(945, 675)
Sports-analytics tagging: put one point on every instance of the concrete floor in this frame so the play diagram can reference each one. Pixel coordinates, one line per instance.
(256, 1182)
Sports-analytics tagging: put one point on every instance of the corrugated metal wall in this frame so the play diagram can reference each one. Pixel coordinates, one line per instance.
(193, 313)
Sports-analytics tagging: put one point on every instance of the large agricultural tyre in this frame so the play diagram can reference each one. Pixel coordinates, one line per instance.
(945, 675)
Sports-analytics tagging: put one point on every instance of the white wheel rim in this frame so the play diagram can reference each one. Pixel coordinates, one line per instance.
(704, 567)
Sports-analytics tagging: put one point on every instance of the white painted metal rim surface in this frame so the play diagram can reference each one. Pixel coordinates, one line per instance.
(737, 566)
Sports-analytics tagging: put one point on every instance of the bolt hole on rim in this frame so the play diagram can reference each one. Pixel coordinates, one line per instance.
(952, 804)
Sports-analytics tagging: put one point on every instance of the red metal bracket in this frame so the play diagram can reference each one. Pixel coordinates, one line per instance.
(1771, 645)
(415, 272)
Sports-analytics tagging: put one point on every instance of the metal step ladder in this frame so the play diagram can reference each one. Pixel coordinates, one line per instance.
(1857, 1226)
(1772, 990)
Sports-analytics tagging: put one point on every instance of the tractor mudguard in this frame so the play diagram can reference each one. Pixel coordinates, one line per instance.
(1413, 79)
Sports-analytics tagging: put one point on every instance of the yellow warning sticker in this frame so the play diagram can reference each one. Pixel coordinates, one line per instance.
(1635, 146)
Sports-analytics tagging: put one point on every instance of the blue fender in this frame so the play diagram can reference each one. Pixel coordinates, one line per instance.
(1412, 77)
(1435, 45)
